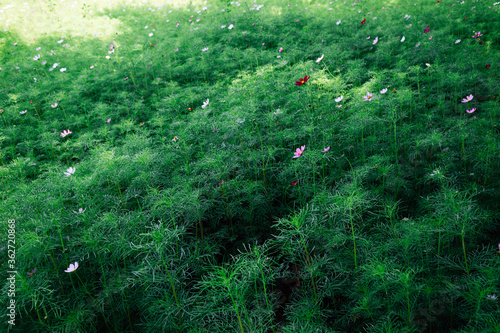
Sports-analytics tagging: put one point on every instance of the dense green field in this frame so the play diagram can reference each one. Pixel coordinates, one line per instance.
(260, 166)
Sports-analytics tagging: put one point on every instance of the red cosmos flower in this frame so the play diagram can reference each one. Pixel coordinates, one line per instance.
(427, 30)
(363, 22)
(294, 183)
(488, 66)
(302, 81)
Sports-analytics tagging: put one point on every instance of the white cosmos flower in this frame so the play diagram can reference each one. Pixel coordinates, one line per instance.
(70, 171)
(205, 104)
(375, 41)
(230, 26)
(72, 267)
(222, 26)
(458, 41)
(55, 65)
(403, 39)
(63, 69)
(60, 41)
(36, 57)
(338, 99)
(320, 58)
(151, 35)
(383, 91)
(339, 21)
(23, 112)
(204, 49)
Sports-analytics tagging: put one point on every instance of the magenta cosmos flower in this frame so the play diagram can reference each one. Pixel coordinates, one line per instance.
(467, 99)
(477, 34)
(299, 151)
(326, 149)
(427, 30)
(368, 97)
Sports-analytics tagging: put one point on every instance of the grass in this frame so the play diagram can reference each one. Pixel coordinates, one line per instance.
(195, 215)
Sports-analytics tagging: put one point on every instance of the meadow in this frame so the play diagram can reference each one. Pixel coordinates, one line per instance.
(256, 166)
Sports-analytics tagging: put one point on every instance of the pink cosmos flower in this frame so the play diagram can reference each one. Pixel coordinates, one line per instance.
(281, 49)
(109, 120)
(467, 99)
(326, 149)
(427, 30)
(368, 97)
(54, 105)
(65, 133)
(375, 41)
(430, 37)
(471, 111)
(299, 152)
(111, 47)
(477, 34)
(126, 78)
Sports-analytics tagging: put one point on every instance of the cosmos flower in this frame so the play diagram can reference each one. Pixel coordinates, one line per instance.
(72, 268)
(70, 171)
(65, 133)
(320, 58)
(204, 49)
(299, 152)
(467, 99)
(458, 41)
(471, 111)
(230, 26)
(383, 91)
(54, 105)
(294, 183)
(109, 120)
(363, 22)
(338, 22)
(80, 211)
(23, 112)
(477, 34)
(281, 49)
(302, 81)
(338, 99)
(403, 39)
(368, 97)
(427, 30)
(205, 104)
(375, 41)
(326, 149)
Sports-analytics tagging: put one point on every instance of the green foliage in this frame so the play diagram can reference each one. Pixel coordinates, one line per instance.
(187, 211)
